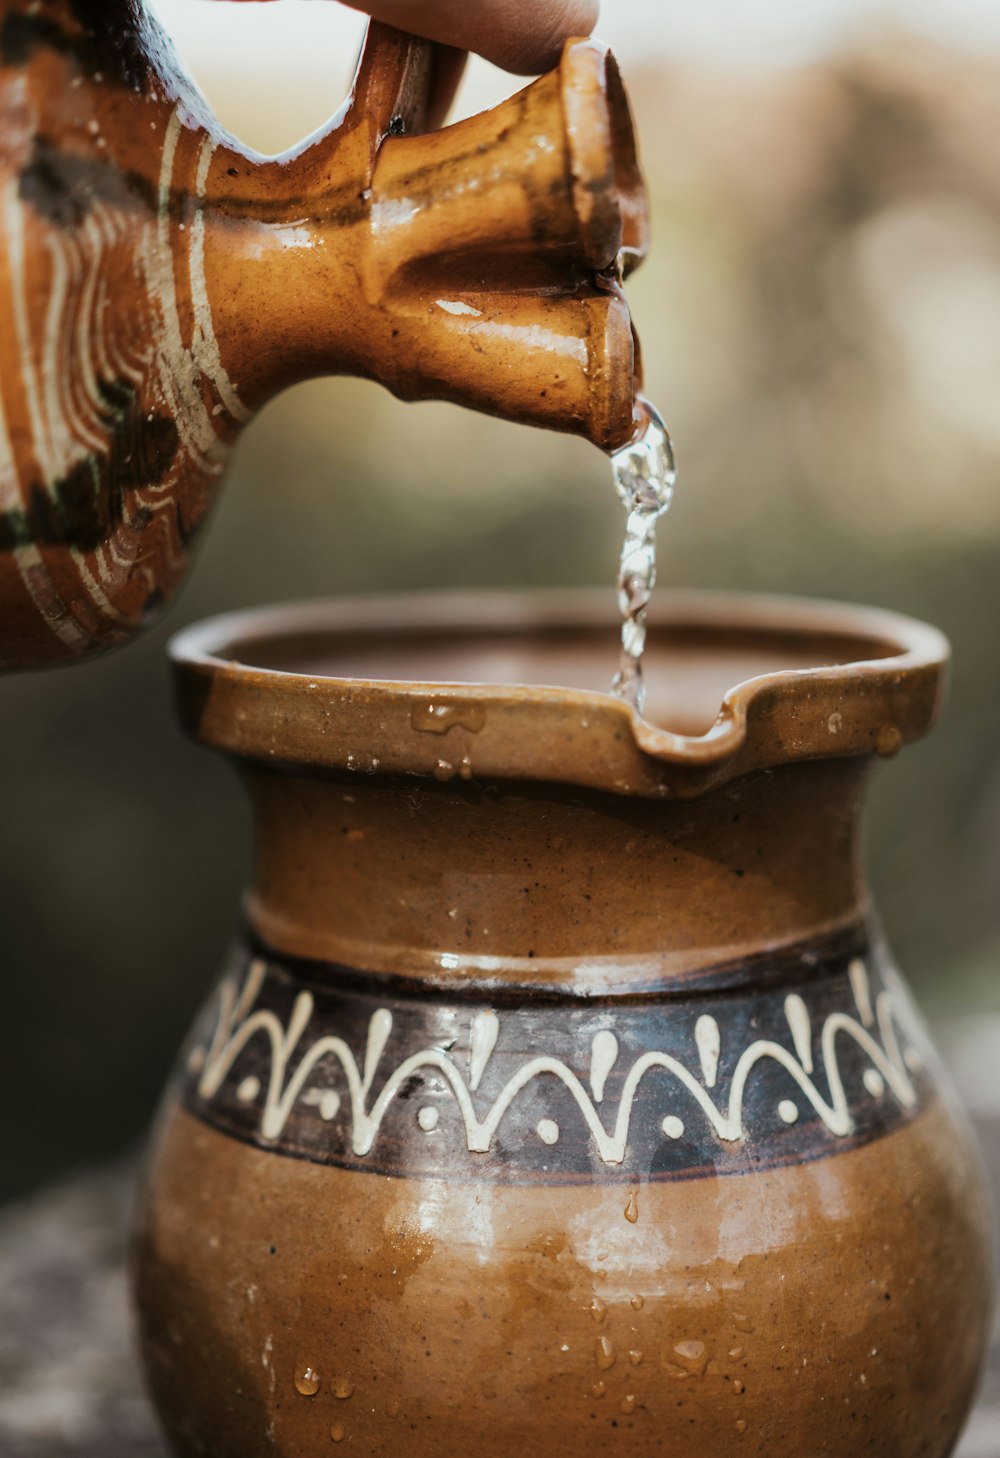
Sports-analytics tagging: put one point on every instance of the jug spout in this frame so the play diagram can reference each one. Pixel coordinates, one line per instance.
(477, 264)
(488, 242)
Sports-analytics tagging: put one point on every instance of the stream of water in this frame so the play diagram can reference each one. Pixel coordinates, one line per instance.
(644, 473)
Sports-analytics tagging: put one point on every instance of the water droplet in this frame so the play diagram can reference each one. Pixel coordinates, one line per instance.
(741, 1322)
(635, 1357)
(739, 1387)
(741, 1426)
(599, 1389)
(598, 1310)
(637, 1303)
(672, 1126)
(604, 1353)
(736, 1354)
(627, 1403)
(427, 1118)
(788, 1111)
(307, 1383)
(444, 770)
(632, 1208)
(437, 716)
(337, 1432)
(692, 1356)
(874, 1082)
(547, 1130)
(465, 767)
(248, 1089)
(342, 1387)
(889, 741)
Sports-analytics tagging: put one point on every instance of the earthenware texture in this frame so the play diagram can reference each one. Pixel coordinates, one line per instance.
(559, 1095)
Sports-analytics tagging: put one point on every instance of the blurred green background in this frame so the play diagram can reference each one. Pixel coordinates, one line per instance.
(820, 319)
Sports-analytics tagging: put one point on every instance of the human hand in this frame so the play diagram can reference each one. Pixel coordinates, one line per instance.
(524, 36)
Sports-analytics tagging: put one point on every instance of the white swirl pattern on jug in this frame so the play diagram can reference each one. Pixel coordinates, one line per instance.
(875, 1031)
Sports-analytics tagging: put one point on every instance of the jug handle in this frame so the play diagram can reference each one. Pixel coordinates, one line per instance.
(393, 84)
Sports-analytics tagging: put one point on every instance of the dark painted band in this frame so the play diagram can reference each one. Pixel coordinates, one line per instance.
(786, 1058)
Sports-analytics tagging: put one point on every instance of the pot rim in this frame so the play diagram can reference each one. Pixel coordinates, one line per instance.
(874, 703)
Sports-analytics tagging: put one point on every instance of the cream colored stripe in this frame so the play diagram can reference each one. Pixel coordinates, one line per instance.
(92, 585)
(65, 402)
(205, 347)
(10, 495)
(15, 252)
(89, 344)
(34, 573)
(176, 372)
(35, 576)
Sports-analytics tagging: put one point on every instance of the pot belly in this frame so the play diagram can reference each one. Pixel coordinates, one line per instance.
(833, 1308)
(791, 1287)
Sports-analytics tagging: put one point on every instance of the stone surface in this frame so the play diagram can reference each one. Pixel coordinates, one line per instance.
(69, 1383)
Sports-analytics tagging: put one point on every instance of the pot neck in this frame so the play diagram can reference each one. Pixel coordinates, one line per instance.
(549, 885)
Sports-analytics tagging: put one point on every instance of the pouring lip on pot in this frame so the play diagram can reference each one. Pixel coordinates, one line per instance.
(832, 680)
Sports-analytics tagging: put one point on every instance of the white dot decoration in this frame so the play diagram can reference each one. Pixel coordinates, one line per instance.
(248, 1089)
(427, 1118)
(547, 1130)
(874, 1082)
(326, 1100)
(788, 1111)
(672, 1126)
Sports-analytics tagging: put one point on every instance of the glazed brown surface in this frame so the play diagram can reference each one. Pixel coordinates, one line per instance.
(159, 283)
(735, 683)
(558, 1096)
(556, 886)
(831, 1309)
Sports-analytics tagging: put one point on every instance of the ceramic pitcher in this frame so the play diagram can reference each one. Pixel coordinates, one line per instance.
(159, 283)
(559, 1096)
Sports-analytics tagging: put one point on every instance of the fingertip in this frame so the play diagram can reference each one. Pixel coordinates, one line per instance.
(531, 50)
(525, 38)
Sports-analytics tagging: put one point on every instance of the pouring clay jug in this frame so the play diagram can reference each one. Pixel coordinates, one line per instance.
(559, 1096)
(158, 284)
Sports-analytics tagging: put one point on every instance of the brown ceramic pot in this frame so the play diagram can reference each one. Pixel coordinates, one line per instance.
(559, 1097)
(159, 284)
